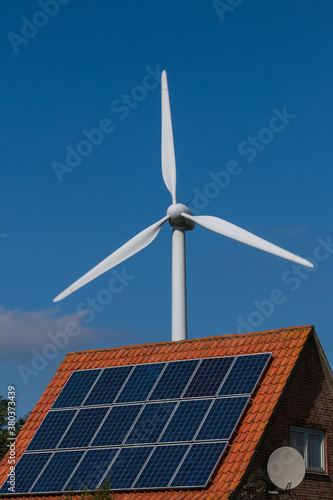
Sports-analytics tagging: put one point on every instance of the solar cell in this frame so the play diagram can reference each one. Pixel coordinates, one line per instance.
(127, 466)
(91, 469)
(185, 421)
(222, 418)
(116, 425)
(198, 465)
(140, 383)
(76, 388)
(150, 423)
(51, 430)
(161, 466)
(56, 473)
(26, 472)
(83, 427)
(174, 379)
(108, 385)
(208, 377)
(244, 374)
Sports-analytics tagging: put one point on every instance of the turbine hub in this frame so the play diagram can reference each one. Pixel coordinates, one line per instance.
(177, 220)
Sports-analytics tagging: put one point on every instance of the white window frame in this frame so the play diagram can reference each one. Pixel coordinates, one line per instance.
(306, 432)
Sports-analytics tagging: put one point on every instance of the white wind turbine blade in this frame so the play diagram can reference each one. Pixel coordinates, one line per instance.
(168, 150)
(133, 246)
(237, 233)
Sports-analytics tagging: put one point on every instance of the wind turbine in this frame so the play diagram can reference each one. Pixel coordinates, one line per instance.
(181, 220)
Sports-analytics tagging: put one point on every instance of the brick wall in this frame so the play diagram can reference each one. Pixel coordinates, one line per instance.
(307, 402)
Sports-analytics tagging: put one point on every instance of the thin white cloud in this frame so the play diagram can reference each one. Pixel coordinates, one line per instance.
(24, 331)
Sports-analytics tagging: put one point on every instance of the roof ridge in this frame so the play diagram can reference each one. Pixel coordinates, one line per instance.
(172, 342)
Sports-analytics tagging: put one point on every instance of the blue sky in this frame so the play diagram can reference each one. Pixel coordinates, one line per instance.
(250, 90)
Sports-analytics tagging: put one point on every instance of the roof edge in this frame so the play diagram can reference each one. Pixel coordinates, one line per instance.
(329, 378)
(324, 362)
(215, 337)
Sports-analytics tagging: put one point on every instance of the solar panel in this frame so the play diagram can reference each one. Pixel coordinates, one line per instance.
(127, 466)
(244, 374)
(208, 377)
(174, 379)
(51, 430)
(83, 427)
(198, 465)
(161, 466)
(91, 469)
(140, 383)
(158, 425)
(150, 423)
(76, 388)
(222, 418)
(185, 421)
(108, 385)
(26, 471)
(57, 472)
(116, 425)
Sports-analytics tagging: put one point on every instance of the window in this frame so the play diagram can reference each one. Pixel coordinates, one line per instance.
(311, 445)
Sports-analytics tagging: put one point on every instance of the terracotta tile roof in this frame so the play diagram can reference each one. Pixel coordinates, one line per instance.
(285, 345)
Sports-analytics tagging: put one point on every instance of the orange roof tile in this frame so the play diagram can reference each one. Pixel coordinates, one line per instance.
(285, 345)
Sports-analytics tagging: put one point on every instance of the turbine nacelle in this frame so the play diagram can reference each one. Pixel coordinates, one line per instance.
(176, 219)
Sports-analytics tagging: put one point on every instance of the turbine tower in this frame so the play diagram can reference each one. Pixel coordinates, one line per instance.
(181, 220)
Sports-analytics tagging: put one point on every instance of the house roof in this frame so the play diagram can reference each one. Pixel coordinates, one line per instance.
(285, 346)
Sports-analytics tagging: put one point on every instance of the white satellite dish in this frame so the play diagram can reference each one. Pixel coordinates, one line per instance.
(286, 468)
(181, 220)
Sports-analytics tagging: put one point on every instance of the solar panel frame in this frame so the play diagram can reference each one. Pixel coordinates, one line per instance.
(241, 399)
(121, 398)
(227, 360)
(107, 399)
(222, 446)
(83, 414)
(113, 452)
(56, 455)
(104, 434)
(149, 407)
(166, 394)
(26, 470)
(185, 406)
(69, 381)
(160, 450)
(265, 356)
(122, 450)
(157, 443)
(57, 414)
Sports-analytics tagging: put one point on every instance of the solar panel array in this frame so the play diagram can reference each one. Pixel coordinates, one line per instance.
(150, 426)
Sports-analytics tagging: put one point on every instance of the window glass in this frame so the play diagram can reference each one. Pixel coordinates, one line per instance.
(310, 443)
(297, 441)
(314, 451)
